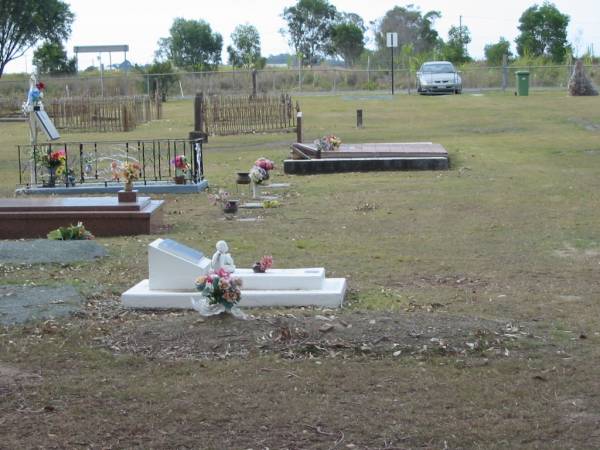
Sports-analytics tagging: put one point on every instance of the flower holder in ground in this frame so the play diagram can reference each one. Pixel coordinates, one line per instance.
(126, 196)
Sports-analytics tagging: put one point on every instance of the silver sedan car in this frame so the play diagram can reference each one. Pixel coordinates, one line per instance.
(438, 77)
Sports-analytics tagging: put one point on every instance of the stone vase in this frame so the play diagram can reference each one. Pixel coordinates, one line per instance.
(243, 178)
(230, 207)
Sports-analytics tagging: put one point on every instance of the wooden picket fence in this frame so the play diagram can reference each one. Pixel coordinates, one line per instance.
(103, 114)
(11, 107)
(225, 115)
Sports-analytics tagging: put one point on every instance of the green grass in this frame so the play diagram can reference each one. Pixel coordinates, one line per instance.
(509, 233)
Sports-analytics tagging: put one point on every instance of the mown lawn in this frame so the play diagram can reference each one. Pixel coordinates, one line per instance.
(508, 236)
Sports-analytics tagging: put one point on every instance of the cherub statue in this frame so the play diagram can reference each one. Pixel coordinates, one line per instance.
(222, 259)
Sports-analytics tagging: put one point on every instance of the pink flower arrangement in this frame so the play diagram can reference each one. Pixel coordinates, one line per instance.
(265, 263)
(265, 164)
(180, 163)
(220, 288)
(221, 197)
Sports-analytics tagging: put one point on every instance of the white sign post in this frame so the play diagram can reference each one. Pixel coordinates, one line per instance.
(392, 42)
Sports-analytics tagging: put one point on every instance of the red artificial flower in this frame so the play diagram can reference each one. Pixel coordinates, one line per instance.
(40, 85)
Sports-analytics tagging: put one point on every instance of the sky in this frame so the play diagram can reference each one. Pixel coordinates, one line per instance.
(140, 23)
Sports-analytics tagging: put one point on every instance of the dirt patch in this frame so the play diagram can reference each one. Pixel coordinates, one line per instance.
(585, 124)
(577, 253)
(187, 336)
(12, 379)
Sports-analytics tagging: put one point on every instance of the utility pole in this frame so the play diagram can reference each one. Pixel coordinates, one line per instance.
(460, 32)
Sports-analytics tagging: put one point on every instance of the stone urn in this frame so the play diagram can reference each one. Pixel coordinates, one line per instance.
(230, 206)
(243, 178)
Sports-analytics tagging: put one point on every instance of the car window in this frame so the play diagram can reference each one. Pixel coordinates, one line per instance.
(437, 68)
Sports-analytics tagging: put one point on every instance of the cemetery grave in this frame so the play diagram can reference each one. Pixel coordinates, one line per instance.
(308, 159)
(174, 267)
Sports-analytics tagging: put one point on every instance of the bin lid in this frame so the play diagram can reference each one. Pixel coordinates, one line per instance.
(522, 72)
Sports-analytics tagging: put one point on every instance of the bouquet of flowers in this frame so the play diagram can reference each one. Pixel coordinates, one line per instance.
(34, 96)
(36, 93)
(54, 159)
(260, 170)
(329, 143)
(72, 232)
(264, 163)
(181, 164)
(265, 263)
(221, 197)
(220, 288)
(258, 174)
(131, 170)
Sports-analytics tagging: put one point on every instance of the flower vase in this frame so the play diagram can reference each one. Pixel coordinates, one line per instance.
(230, 207)
(243, 178)
(179, 179)
(128, 186)
(257, 268)
(52, 177)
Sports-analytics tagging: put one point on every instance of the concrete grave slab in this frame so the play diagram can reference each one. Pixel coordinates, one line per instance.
(40, 251)
(19, 304)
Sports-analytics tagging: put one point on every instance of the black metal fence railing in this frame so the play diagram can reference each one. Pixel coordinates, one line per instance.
(99, 161)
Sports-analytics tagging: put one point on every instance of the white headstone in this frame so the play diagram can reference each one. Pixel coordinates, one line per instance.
(173, 266)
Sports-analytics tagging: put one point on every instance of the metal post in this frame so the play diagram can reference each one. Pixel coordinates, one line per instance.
(144, 161)
(392, 48)
(359, 118)
(81, 177)
(504, 72)
(19, 155)
(198, 113)
(66, 166)
(299, 127)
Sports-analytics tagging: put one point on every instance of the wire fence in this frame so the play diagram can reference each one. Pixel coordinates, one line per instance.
(276, 80)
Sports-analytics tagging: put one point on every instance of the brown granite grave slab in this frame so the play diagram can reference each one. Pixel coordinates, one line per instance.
(373, 150)
(307, 160)
(103, 216)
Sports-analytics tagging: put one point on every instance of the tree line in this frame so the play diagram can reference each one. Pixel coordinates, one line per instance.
(315, 30)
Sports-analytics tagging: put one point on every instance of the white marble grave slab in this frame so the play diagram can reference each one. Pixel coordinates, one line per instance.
(174, 267)
(331, 295)
(282, 279)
